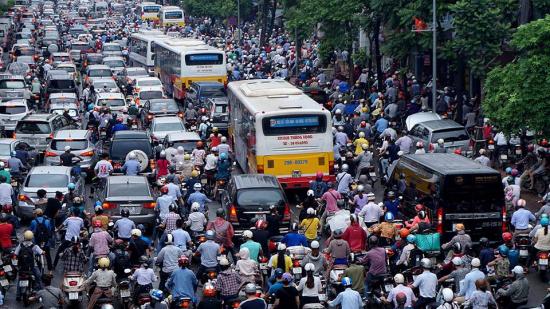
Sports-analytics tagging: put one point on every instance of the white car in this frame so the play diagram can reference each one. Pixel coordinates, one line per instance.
(116, 63)
(161, 126)
(114, 100)
(11, 112)
(149, 93)
(148, 82)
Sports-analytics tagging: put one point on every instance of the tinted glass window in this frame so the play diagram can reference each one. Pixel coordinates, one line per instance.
(111, 48)
(472, 193)
(100, 73)
(220, 109)
(32, 127)
(111, 102)
(10, 110)
(211, 92)
(62, 84)
(149, 82)
(120, 148)
(75, 144)
(163, 106)
(137, 73)
(149, 95)
(12, 84)
(172, 126)
(173, 15)
(259, 197)
(47, 181)
(128, 189)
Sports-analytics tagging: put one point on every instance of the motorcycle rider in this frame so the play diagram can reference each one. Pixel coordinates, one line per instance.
(223, 231)
(100, 216)
(252, 301)
(501, 264)
(196, 220)
(224, 147)
(344, 180)
(198, 155)
(209, 300)
(254, 248)
(518, 291)
(521, 219)
(16, 166)
(74, 258)
(168, 259)
(481, 298)
(157, 300)
(144, 277)
(461, 237)
(124, 225)
(399, 280)
(348, 298)
(426, 284)
(132, 166)
(26, 262)
(6, 192)
(363, 161)
(6, 230)
(355, 235)
(208, 251)
(73, 225)
(457, 274)
(198, 197)
(448, 302)
(223, 171)
(376, 261)
(42, 228)
(137, 247)
(66, 158)
(5, 172)
(228, 282)
(294, 238)
(371, 212)
(99, 242)
(468, 286)
(318, 186)
(105, 280)
(182, 282)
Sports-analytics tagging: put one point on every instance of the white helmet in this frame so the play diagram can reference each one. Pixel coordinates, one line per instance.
(136, 232)
(338, 111)
(517, 270)
(247, 234)
(180, 149)
(345, 167)
(310, 211)
(281, 247)
(2, 164)
(309, 267)
(399, 279)
(223, 139)
(360, 188)
(197, 186)
(224, 262)
(309, 192)
(448, 294)
(132, 155)
(371, 196)
(195, 206)
(457, 261)
(163, 154)
(441, 141)
(314, 244)
(361, 134)
(476, 262)
(426, 263)
(67, 148)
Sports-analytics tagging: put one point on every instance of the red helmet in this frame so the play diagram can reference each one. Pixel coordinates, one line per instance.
(419, 207)
(164, 189)
(7, 208)
(507, 236)
(363, 124)
(96, 223)
(514, 172)
(200, 144)
(544, 143)
(183, 260)
(260, 224)
(319, 175)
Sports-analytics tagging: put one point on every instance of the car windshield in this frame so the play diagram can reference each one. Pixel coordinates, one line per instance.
(149, 95)
(11, 110)
(259, 197)
(450, 135)
(163, 106)
(12, 84)
(32, 127)
(67, 69)
(79, 47)
(94, 59)
(128, 189)
(111, 48)
(111, 102)
(72, 112)
(108, 83)
(100, 73)
(62, 84)
(62, 101)
(60, 58)
(212, 92)
(60, 144)
(220, 109)
(140, 72)
(187, 146)
(114, 63)
(169, 126)
(120, 148)
(149, 83)
(5, 149)
(47, 181)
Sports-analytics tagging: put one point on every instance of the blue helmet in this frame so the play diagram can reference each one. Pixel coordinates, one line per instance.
(388, 216)
(13, 153)
(411, 239)
(71, 186)
(346, 281)
(278, 273)
(544, 221)
(223, 156)
(98, 203)
(157, 295)
(508, 170)
(503, 250)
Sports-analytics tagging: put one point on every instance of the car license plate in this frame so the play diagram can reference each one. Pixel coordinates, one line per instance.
(73, 296)
(296, 174)
(7, 268)
(543, 262)
(4, 282)
(24, 283)
(125, 293)
(504, 157)
(297, 270)
(133, 210)
(491, 147)
(260, 217)
(523, 252)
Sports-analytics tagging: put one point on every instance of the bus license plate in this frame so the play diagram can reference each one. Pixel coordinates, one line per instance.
(296, 174)
(73, 296)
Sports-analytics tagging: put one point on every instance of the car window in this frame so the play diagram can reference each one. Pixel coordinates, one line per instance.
(12, 84)
(149, 95)
(425, 134)
(120, 148)
(62, 84)
(169, 126)
(33, 127)
(149, 82)
(5, 149)
(100, 73)
(47, 181)
(450, 135)
(111, 102)
(11, 110)
(79, 144)
(259, 197)
(128, 189)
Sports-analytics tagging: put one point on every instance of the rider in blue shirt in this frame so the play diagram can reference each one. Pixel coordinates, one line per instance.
(293, 238)
(132, 166)
(183, 283)
(198, 197)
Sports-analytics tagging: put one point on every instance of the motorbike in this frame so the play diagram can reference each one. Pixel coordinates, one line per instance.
(297, 253)
(26, 282)
(542, 265)
(73, 288)
(209, 275)
(523, 242)
(335, 281)
(124, 292)
(263, 267)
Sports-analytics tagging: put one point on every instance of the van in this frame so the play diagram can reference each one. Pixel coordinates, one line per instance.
(453, 189)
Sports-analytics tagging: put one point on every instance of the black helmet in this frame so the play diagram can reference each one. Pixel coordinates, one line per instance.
(173, 207)
(220, 213)
(484, 241)
(125, 213)
(422, 214)
(456, 247)
(373, 241)
(340, 203)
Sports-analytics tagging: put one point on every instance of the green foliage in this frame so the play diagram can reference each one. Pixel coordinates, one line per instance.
(217, 8)
(4, 7)
(516, 94)
(541, 6)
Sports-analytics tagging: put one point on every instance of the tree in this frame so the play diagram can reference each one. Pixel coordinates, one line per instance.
(516, 93)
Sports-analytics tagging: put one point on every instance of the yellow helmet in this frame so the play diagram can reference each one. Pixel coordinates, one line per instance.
(215, 129)
(187, 157)
(103, 262)
(38, 212)
(194, 173)
(28, 235)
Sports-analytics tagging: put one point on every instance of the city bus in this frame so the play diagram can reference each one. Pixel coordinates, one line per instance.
(278, 130)
(141, 47)
(171, 16)
(148, 11)
(180, 62)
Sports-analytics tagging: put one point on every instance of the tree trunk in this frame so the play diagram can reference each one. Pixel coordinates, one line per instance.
(272, 18)
(378, 55)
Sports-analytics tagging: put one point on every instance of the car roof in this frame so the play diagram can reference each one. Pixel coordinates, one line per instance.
(110, 95)
(250, 181)
(449, 163)
(69, 95)
(60, 54)
(51, 170)
(183, 136)
(40, 116)
(168, 119)
(130, 134)
(56, 106)
(442, 124)
(127, 179)
(416, 118)
(70, 134)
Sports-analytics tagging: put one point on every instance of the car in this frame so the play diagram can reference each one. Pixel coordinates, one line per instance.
(97, 71)
(60, 109)
(61, 98)
(60, 84)
(160, 126)
(123, 142)
(131, 193)
(111, 49)
(198, 92)
(416, 118)
(159, 107)
(48, 178)
(104, 85)
(248, 197)
(11, 112)
(71, 69)
(57, 58)
(81, 145)
(7, 145)
(114, 100)
(91, 59)
(14, 87)
(28, 60)
(128, 75)
(188, 140)
(37, 129)
(78, 49)
(219, 114)
(116, 63)
(148, 82)
(429, 132)
(148, 93)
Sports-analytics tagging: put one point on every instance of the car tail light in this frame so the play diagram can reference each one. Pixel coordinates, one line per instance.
(272, 246)
(264, 259)
(233, 214)
(504, 219)
(440, 220)
(50, 154)
(286, 213)
(150, 116)
(109, 205)
(180, 114)
(431, 148)
(296, 263)
(150, 205)
(87, 154)
(212, 274)
(24, 198)
(73, 283)
(50, 136)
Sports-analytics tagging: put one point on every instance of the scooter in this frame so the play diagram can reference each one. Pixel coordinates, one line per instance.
(73, 288)
(26, 281)
(124, 292)
(542, 265)
(522, 244)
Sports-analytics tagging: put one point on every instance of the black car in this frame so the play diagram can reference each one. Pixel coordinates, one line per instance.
(126, 141)
(159, 107)
(61, 84)
(199, 92)
(248, 197)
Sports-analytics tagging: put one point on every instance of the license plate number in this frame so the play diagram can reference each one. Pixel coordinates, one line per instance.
(372, 174)
(543, 262)
(523, 252)
(125, 293)
(260, 217)
(7, 268)
(389, 287)
(297, 270)
(4, 282)
(73, 295)
(518, 152)
(204, 181)
(491, 147)
(24, 283)
(134, 126)
(133, 210)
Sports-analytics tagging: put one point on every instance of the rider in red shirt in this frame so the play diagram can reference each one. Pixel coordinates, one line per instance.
(355, 236)
(162, 165)
(5, 232)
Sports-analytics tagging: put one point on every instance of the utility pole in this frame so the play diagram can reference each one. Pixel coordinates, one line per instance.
(434, 55)
(239, 19)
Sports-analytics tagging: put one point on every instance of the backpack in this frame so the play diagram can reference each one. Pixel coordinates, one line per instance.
(26, 257)
(42, 233)
(122, 261)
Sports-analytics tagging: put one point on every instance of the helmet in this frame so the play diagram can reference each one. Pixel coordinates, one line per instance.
(278, 273)
(194, 173)
(169, 239)
(388, 216)
(2, 164)
(247, 234)
(456, 247)
(97, 223)
(426, 263)
(195, 206)
(476, 262)
(441, 141)
(223, 139)
(319, 175)
(314, 244)
(373, 241)
(419, 145)
(361, 134)
(13, 153)
(156, 295)
(224, 262)
(163, 154)
(309, 267)
(448, 294)
(364, 146)
(503, 250)
(125, 213)
(287, 278)
(411, 239)
(544, 222)
(183, 260)
(363, 124)
(197, 186)
(517, 270)
(136, 232)
(404, 233)
(459, 227)
(67, 148)
(337, 233)
(514, 172)
(457, 261)
(346, 281)
(507, 236)
(484, 241)
(371, 196)
(28, 235)
(164, 189)
(281, 247)
(310, 193)
(360, 188)
(250, 288)
(200, 144)
(210, 234)
(209, 290)
(338, 111)
(508, 170)
(521, 203)
(220, 212)
(39, 212)
(107, 306)
(71, 186)
(422, 214)
(399, 279)
(310, 211)
(223, 156)
(103, 262)
(418, 207)
(294, 226)
(214, 149)
(345, 167)
(132, 155)
(391, 194)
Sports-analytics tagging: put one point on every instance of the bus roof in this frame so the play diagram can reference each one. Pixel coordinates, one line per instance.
(150, 35)
(449, 163)
(271, 95)
(150, 4)
(171, 8)
(184, 45)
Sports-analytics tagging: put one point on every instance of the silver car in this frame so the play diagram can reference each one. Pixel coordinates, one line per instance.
(11, 112)
(161, 126)
(49, 178)
(37, 129)
(81, 145)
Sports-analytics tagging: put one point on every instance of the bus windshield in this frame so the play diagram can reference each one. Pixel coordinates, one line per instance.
(173, 15)
(303, 124)
(151, 9)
